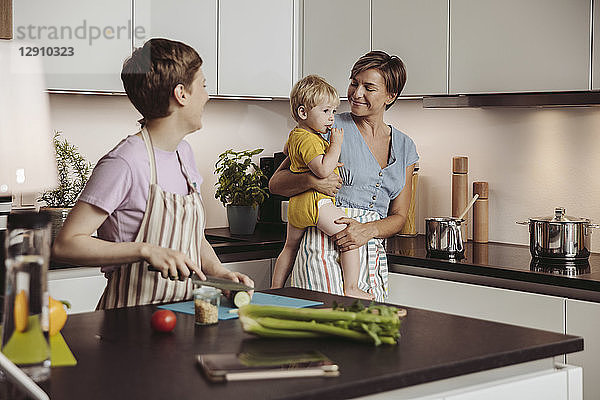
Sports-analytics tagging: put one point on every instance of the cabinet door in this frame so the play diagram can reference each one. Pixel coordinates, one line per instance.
(82, 287)
(258, 270)
(519, 46)
(192, 22)
(494, 304)
(395, 23)
(85, 43)
(583, 319)
(547, 385)
(335, 34)
(255, 47)
(596, 47)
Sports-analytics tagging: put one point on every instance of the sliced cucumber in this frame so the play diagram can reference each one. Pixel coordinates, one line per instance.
(241, 299)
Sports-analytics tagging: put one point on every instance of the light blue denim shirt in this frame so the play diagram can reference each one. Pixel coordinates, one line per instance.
(365, 184)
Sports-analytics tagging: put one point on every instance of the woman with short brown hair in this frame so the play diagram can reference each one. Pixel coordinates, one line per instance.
(143, 196)
(377, 160)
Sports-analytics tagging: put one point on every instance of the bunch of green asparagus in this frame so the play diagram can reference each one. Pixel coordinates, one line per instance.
(375, 324)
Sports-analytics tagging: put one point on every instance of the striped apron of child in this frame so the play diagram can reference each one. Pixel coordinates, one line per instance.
(317, 265)
(171, 220)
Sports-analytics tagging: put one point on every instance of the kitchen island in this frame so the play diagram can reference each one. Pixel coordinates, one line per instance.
(494, 281)
(119, 357)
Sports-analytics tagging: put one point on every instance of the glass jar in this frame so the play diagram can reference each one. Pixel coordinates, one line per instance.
(206, 305)
(25, 317)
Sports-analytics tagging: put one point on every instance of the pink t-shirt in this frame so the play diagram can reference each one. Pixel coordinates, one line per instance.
(120, 181)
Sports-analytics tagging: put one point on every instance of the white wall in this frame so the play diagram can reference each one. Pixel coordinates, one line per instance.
(533, 158)
(97, 123)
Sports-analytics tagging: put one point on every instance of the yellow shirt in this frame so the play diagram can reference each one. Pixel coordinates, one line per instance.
(303, 146)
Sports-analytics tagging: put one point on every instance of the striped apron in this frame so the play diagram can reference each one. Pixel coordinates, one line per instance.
(317, 266)
(171, 220)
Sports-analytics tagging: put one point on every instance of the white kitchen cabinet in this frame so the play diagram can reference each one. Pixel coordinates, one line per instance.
(255, 43)
(258, 270)
(189, 21)
(596, 46)
(519, 46)
(583, 319)
(92, 38)
(335, 34)
(541, 379)
(81, 286)
(415, 31)
(500, 305)
(552, 385)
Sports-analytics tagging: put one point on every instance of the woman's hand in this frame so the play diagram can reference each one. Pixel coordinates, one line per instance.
(354, 236)
(170, 263)
(329, 186)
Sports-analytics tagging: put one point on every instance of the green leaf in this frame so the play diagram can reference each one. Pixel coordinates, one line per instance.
(73, 173)
(241, 182)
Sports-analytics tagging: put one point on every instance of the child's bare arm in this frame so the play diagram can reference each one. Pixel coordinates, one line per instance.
(323, 165)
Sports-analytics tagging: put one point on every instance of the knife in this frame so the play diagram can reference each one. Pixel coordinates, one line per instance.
(213, 281)
(220, 283)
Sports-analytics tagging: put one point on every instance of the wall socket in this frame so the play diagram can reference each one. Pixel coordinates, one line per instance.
(28, 200)
(24, 200)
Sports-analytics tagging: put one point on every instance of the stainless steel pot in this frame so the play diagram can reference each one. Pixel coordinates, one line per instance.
(559, 237)
(443, 237)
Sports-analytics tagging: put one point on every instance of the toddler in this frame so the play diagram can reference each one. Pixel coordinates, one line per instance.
(313, 102)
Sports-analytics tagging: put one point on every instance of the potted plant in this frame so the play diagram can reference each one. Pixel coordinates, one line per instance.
(73, 173)
(241, 187)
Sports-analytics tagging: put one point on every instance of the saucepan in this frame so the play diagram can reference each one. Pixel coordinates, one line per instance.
(443, 237)
(559, 237)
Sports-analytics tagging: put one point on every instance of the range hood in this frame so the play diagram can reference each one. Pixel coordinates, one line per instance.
(531, 99)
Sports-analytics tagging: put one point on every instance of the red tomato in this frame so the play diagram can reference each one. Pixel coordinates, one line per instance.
(163, 321)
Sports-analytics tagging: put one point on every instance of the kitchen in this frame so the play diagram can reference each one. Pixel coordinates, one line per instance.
(535, 158)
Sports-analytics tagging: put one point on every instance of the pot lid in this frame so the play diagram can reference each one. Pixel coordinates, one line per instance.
(444, 219)
(559, 216)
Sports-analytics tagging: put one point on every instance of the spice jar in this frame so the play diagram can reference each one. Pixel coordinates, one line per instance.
(206, 305)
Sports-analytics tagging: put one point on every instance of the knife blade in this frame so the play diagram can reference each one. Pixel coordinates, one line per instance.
(213, 281)
(220, 283)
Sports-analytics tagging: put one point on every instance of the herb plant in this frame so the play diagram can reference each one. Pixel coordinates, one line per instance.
(241, 182)
(73, 173)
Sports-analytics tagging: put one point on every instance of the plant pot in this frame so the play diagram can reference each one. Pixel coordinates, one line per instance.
(242, 219)
(58, 215)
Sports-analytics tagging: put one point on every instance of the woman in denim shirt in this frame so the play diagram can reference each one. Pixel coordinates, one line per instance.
(376, 159)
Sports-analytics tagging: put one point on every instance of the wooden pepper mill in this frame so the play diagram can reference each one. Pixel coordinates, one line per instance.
(460, 190)
(480, 212)
(410, 226)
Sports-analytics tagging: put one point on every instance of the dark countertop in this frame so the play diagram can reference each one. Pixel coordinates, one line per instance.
(120, 357)
(494, 264)
(266, 242)
(500, 265)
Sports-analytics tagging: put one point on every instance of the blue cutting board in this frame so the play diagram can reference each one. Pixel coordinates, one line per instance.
(262, 299)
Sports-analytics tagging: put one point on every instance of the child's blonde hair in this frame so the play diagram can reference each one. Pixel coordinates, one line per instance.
(311, 91)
